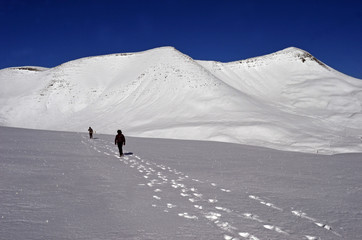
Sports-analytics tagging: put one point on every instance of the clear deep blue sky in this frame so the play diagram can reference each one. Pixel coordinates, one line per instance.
(48, 33)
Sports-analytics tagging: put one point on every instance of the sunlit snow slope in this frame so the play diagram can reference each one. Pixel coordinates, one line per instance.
(286, 100)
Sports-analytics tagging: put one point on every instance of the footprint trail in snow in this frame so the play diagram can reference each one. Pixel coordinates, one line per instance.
(177, 193)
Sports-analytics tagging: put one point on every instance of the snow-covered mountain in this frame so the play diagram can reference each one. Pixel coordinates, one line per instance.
(287, 100)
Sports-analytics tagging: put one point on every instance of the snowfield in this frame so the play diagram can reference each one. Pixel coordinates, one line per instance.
(62, 185)
(287, 100)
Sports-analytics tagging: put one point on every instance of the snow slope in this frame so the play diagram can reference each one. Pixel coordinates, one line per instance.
(286, 100)
(61, 185)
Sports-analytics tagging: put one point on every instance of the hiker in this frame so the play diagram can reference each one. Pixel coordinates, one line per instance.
(120, 140)
(90, 130)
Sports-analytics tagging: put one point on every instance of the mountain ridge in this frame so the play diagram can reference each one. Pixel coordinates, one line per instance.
(287, 100)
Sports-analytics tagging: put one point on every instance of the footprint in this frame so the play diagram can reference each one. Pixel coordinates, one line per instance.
(252, 217)
(324, 226)
(156, 197)
(195, 180)
(303, 215)
(169, 205)
(225, 226)
(185, 195)
(227, 237)
(275, 228)
(248, 236)
(225, 190)
(311, 237)
(223, 209)
(199, 195)
(186, 215)
(213, 216)
(261, 201)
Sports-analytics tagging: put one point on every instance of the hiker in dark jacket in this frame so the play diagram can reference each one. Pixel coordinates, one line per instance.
(120, 140)
(90, 130)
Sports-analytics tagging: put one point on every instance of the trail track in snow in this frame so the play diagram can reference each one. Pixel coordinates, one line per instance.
(189, 197)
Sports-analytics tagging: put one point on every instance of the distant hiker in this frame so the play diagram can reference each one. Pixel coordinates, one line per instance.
(90, 130)
(120, 140)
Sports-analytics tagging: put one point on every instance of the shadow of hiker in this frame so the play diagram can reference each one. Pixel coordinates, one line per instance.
(128, 153)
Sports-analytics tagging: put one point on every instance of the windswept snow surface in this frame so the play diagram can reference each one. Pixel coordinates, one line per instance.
(287, 100)
(61, 185)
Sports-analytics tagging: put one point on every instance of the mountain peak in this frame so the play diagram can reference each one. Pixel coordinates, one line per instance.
(301, 55)
(292, 50)
(290, 54)
(162, 50)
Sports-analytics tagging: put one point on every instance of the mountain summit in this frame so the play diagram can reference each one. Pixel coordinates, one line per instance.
(286, 100)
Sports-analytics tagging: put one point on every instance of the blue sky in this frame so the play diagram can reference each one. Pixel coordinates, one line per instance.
(48, 33)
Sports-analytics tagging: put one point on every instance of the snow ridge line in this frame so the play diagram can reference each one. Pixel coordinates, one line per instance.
(200, 207)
